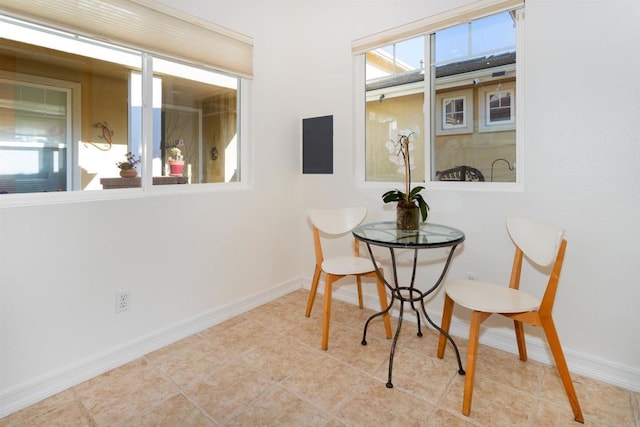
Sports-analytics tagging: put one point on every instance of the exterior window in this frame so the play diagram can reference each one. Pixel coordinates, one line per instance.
(454, 112)
(470, 119)
(498, 109)
(454, 115)
(71, 108)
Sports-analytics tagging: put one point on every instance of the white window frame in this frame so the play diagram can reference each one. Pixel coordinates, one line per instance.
(428, 26)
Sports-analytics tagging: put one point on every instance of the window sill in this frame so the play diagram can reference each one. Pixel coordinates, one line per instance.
(63, 197)
(112, 183)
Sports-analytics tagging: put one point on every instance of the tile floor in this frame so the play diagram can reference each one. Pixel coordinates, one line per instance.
(265, 368)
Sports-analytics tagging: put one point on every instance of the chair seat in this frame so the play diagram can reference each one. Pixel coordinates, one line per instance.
(490, 298)
(345, 265)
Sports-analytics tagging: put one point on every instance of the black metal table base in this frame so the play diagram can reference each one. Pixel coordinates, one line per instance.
(411, 295)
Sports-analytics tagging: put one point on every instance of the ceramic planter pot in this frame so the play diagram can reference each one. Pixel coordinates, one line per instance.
(128, 173)
(176, 167)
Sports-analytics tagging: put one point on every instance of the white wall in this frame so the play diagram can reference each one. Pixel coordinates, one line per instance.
(60, 265)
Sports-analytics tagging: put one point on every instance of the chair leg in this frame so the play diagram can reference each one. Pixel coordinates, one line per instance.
(359, 285)
(326, 316)
(447, 311)
(314, 288)
(477, 317)
(561, 364)
(382, 294)
(522, 346)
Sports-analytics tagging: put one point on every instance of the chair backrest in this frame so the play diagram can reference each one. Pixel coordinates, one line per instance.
(337, 221)
(540, 243)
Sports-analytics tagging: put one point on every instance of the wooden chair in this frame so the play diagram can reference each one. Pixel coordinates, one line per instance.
(337, 222)
(542, 245)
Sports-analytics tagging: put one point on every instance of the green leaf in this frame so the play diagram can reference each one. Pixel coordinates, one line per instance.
(414, 192)
(424, 206)
(392, 196)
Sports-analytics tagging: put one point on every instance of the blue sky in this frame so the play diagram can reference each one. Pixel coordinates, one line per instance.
(490, 34)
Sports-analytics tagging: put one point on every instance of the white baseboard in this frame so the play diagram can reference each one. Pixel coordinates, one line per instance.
(46, 386)
(537, 348)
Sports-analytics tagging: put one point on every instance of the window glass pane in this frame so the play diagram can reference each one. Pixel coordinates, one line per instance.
(197, 137)
(65, 117)
(473, 73)
(476, 38)
(394, 104)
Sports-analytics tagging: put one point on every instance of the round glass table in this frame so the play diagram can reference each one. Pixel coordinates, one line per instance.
(386, 234)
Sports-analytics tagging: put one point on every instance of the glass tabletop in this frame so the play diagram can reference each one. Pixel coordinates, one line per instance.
(428, 236)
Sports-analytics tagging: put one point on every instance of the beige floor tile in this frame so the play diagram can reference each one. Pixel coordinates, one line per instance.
(424, 377)
(365, 358)
(123, 392)
(427, 344)
(507, 368)
(56, 411)
(279, 357)
(280, 407)
(310, 333)
(558, 415)
(375, 404)
(280, 316)
(239, 338)
(326, 382)
(189, 360)
(177, 411)
(492, 403)
(229, 390)
(41, 410)
(352, 315)
(604, 404)
(444, 418)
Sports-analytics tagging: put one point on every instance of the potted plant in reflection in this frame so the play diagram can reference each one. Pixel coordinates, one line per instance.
(411, 205)
(176, 162)
(128, 167)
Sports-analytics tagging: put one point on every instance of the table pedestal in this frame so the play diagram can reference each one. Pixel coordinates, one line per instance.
(409, 294)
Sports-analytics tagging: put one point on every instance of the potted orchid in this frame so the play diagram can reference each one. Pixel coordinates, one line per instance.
(411, 205)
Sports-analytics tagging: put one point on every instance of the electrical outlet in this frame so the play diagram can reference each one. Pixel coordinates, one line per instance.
(122, 301)
(471, 276)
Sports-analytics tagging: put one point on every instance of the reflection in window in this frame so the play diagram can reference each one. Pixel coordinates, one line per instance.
(454, 116)
(499, 107)
(395, 98)
(471, 117)
(485, 64)
(34, 137)
(498, 111)
(199, 127)
(71, 108)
